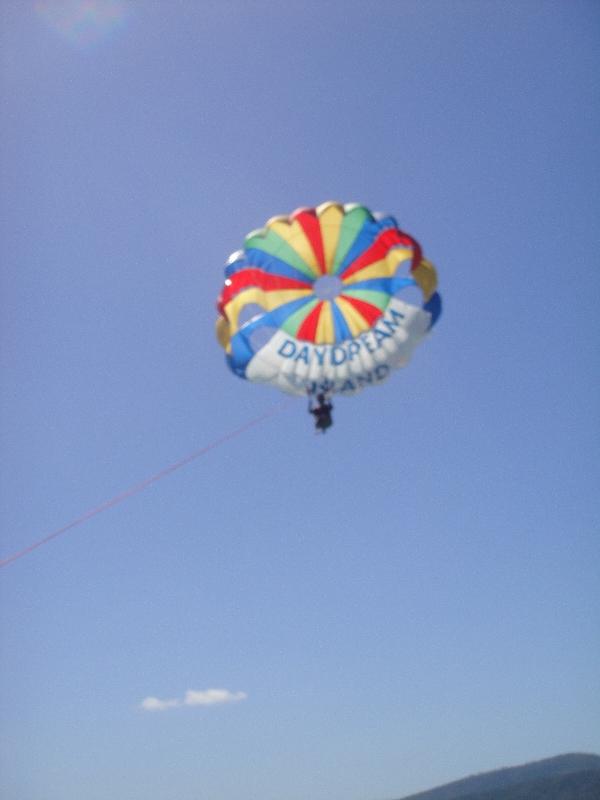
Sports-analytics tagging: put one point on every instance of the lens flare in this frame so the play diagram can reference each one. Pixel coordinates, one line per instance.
(84, 22)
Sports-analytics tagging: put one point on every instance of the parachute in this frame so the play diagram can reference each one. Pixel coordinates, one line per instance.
(321, 301)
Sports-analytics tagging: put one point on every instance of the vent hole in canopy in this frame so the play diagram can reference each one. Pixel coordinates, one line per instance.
(261, 336)
(328, 287)
(411, 295)
(248, 312)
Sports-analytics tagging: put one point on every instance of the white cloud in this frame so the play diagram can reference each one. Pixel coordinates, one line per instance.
(212, 697)
(154, 704)
(194, 697)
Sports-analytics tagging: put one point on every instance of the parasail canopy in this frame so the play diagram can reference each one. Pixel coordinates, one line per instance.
(322, 301)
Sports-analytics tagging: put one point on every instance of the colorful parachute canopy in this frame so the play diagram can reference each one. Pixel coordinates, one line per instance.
(314, 301)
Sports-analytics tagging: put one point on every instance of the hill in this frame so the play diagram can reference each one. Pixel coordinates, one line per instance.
(574, 776)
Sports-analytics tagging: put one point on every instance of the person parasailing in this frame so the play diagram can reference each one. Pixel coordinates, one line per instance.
(322, 301)
(321, 412)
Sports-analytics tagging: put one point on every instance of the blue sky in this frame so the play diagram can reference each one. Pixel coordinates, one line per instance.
(412, 597)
